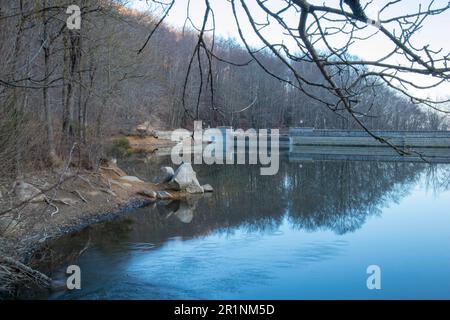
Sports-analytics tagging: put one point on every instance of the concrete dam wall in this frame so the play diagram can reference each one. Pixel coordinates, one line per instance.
(359, 138)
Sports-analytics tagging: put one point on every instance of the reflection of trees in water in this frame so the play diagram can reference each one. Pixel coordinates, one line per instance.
(340, 195)
(331, 195)
(243, 197)
(437, 178)
(337, 196)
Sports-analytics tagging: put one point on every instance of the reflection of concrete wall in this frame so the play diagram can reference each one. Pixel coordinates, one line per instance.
(310, 136)
(352, 153)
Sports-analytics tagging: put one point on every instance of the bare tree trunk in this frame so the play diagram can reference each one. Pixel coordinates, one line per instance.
(17, 93)
(69, 107)
(65, 114)
(84, 124)
(48, 113)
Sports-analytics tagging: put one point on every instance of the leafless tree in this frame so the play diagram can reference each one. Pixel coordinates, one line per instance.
(323, 35)
(60, 86)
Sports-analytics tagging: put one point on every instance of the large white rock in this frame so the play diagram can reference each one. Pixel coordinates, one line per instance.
(27, 192)
(185, 179)
(207, 188)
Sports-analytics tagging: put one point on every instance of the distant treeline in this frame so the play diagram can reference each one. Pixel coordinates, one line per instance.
(61, 87)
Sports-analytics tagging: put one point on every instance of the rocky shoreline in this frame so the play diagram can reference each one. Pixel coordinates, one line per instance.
(82, 199)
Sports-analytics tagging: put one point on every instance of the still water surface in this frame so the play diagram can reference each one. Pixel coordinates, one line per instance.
(309, 232)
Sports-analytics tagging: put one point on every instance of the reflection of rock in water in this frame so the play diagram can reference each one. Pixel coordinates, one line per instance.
(185, 214)
(167, 208)
(182, 209)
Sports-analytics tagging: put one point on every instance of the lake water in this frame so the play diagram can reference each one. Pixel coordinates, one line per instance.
(309, 232)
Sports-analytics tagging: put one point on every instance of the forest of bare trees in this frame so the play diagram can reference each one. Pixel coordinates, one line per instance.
(72, 98)
(61, 88)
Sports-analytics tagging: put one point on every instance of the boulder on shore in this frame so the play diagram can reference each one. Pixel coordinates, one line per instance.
(207, 188)
(167, 174)
(27, 192)
(185, 179)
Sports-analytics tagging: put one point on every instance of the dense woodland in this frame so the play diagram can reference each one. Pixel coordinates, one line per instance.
(61, 88)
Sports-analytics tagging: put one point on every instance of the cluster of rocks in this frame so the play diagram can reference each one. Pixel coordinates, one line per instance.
(26, 192)
(145, 129)
(161, 195)
(183, 179)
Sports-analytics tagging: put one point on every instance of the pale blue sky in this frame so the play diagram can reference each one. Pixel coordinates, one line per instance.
(436, 31)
